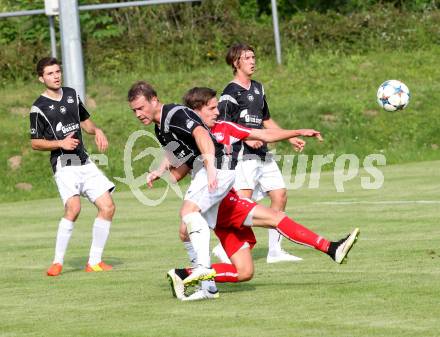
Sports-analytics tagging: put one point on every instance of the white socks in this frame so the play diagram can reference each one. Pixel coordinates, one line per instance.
(101, 230)
(199, 234)
(191, 253)
(64, 233)
(274, 241)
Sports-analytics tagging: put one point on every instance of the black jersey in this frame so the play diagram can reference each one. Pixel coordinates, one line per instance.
(55, 119)
(175, 133)
(246, 107)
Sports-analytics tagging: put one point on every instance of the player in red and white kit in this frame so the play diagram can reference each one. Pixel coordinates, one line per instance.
(232, 219)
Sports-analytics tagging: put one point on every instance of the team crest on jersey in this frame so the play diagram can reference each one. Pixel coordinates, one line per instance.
(63, 109)
(219, 136)
(250, 97)
(189, 123)
(70, 99)
(257, 92)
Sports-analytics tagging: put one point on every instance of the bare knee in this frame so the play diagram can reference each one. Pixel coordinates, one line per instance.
(245, 273)
(278, 199)
(187, 208)
(71, 211)
(183, 232)
(107, 210)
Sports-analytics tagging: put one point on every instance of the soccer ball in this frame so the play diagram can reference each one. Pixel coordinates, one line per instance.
(393, 95)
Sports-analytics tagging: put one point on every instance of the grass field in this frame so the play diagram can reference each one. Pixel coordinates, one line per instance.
(390, 286)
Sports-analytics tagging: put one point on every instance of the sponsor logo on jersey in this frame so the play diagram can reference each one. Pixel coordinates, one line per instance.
(63, 109)
(33, 131)
(68, 128)
(253, 119)
(257, 92)
(189, 123)
(70, 99)
(250, 118)
(250, 97)
(51, 107)
(181, 154)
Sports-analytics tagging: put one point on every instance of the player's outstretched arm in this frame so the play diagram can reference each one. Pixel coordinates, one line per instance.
(297, 143)
(275, 135)
(100, 138)
(68, 143)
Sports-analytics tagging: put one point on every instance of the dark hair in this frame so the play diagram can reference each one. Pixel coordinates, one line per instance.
(197, 97)
(234, 53)
(141, 88)
(46, 62)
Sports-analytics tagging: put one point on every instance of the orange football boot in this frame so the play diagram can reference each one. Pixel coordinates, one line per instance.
(101, 266)
(55, 269)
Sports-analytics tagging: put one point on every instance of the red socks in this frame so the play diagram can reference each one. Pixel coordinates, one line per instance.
(225, 272)
(299, 234)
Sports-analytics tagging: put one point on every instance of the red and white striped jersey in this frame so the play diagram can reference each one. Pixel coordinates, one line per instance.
(228, 133)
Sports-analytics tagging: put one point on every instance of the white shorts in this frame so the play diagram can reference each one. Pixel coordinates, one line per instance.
(198, 189)
(86, 180)
(258, 175)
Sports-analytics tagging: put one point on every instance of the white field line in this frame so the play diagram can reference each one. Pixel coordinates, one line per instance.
(389, 202)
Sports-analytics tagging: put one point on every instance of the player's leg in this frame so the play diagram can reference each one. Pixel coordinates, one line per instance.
(199, 199)
(337, 250)
(97, 188)
(218, 250)
(271, 181)
(67, 180)
(184, 237)
(72, 209)
(199, 234)
(241, 269)
(101, 230)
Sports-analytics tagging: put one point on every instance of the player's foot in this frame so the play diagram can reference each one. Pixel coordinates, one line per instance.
(55, 269)
(199, 274)
(101, 266)
(203, 294)
(281, 256)
(175, 278)
(338, 250)
(220, 253)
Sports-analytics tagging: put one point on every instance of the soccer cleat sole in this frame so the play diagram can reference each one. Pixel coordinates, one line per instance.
(171, 282)
(353, 239)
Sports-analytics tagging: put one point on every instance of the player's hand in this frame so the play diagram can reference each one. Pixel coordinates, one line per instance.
(212, 178)
(101, 140)
(311, 133)
(255, 144)
(69, 143)
(152, 176)
(297, 143)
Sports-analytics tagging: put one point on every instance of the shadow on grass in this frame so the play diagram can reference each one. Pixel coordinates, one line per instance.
(79, 263)
(235, 287)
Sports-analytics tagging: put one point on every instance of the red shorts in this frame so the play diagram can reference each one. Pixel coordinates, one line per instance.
(229, 228)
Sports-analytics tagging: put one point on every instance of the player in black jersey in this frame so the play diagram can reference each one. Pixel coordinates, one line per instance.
(184, 134)
(243, 101)
(56, 120)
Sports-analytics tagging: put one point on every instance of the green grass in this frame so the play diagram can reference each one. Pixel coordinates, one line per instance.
(328, 91)
(388, 288)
